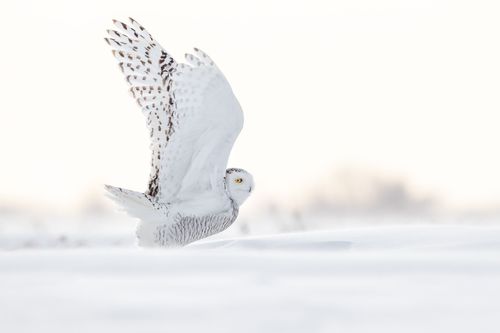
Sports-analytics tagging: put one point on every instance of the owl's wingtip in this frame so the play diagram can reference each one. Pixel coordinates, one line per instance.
(112, 189)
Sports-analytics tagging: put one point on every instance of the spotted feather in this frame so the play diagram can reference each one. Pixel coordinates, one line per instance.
(148, 68)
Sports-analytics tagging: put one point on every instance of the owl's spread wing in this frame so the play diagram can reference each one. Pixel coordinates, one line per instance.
(192, 114)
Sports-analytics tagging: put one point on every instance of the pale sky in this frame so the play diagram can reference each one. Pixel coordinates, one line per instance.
(406, 88)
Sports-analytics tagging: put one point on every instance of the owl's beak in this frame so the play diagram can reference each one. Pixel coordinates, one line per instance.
(250, 190)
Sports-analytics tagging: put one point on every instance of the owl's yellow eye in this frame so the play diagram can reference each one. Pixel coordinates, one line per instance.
(238, 180)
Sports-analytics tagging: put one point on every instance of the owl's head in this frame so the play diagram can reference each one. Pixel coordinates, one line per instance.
(239, 184)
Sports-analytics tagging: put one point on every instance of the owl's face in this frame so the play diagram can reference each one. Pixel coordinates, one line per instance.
(239, 184)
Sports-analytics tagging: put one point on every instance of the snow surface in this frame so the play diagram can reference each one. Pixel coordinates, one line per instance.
(380, 279)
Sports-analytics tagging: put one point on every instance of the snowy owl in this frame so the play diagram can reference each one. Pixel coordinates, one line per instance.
(193, 119)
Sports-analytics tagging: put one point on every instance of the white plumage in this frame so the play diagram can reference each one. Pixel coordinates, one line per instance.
(193, 118)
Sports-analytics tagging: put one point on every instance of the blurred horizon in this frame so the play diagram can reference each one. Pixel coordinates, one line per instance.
(350, 191)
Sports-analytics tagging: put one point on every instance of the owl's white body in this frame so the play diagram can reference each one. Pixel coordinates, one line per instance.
(176, 223)
(193, 119)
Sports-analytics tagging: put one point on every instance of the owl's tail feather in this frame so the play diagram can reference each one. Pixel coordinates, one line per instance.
(134, 203)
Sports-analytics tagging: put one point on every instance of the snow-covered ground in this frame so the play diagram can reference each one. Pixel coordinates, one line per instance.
(378, 279)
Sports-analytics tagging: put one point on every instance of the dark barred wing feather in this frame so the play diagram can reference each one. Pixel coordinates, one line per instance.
(148, 68)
